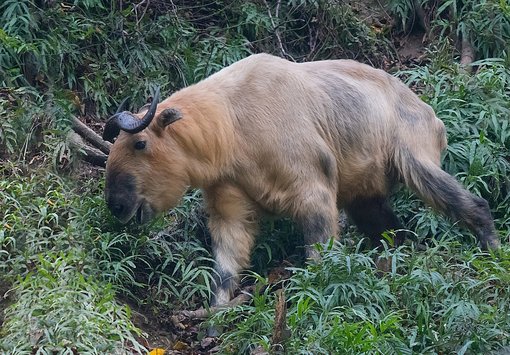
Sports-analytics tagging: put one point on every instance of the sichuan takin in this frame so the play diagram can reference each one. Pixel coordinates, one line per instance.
(302, 140)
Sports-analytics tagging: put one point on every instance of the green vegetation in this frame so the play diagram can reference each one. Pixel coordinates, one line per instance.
(444, 300)
(74, 277)
(483, 23)
(67, 259)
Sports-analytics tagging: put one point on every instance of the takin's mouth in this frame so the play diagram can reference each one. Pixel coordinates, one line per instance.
(141, 213)
(144, 213)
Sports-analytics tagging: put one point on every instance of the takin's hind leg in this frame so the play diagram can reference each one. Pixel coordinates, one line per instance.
(317, 216)
(373, 216)
(233, 224)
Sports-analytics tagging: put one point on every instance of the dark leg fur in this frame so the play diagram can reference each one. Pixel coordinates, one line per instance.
(318, 219)
(373, 216)
(317, 228)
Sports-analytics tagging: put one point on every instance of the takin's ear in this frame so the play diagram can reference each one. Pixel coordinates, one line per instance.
(168, 116)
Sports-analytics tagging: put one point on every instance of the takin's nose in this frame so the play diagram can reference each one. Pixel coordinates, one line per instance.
(120, 208)
(120, 196)
(117, 209)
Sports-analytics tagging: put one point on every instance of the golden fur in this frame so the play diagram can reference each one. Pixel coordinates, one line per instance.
(265, 135)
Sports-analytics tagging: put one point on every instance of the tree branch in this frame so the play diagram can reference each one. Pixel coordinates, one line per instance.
(275, 29)
(91, 136)
(89, 154)
(280, 331)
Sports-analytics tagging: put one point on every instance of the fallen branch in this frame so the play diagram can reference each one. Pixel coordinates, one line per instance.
(89, 154)
(91, 136)
(202, 313)
(280, 331)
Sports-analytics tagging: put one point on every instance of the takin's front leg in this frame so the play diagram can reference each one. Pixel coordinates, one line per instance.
(233, 224)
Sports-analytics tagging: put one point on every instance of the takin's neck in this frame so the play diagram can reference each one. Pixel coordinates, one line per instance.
(205, 134)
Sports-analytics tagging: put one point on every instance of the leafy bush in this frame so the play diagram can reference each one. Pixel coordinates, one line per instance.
(430, 302)
(67, 266)
(59, 305)
(60, 309)
(485, 24)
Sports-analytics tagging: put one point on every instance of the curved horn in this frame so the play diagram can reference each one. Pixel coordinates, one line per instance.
(122, 105)
(128, 122)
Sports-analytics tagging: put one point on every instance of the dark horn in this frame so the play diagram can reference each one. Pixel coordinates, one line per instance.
(130, 124)
(122, 105)
(112, 129)
(126, 121)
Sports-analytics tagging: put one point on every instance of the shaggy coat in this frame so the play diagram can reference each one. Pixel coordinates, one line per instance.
(266, 135)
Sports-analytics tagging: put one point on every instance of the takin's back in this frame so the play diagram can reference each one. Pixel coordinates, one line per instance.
(342, 118)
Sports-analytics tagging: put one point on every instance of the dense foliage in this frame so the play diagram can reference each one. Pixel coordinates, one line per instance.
(443, 300)
(67, 268)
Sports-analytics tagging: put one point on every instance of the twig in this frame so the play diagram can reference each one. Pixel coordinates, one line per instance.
(277, 10)
(91, 136)
(280, 331)
(202, 313)
(139, 19)
(312, 42)
(275, 29)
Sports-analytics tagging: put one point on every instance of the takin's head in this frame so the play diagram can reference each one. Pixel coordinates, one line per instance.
(145, 168)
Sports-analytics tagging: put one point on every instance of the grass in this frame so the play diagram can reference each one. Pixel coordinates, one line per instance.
(59, 304)
(484, 24)
(474, 110)
(61, 308)
(68, 263)
(429, 302)
(67, 268)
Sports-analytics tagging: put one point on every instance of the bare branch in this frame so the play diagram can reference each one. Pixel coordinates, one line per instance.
(91, 136)
(139, 18)
(92, 155)
(276, 31)
(280, 331)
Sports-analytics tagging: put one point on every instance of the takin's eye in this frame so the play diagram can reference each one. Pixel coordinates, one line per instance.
(140, 145)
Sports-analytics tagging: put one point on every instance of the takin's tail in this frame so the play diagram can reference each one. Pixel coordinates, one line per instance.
(444, 193)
